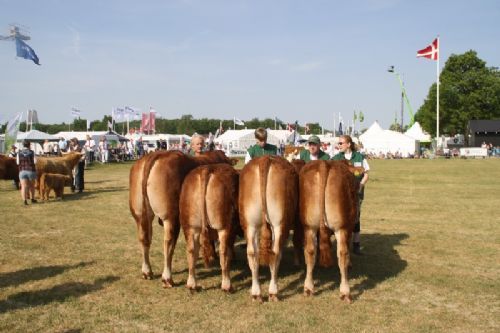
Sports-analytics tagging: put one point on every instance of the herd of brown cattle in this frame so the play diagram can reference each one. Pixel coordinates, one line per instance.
(59, 172)
(267, 199)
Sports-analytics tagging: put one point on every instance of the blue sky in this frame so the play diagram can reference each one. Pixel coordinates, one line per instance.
(296, 60)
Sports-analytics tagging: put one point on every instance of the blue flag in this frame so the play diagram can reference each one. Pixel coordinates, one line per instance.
(23, 50)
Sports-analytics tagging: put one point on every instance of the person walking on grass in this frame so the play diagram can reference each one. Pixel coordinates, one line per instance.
(347, 151)
(26, 160)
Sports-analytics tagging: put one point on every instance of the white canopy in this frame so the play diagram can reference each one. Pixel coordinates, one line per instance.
(81, 136)
(35, 135)
(243, 139)
(418, 133)
(377, 140)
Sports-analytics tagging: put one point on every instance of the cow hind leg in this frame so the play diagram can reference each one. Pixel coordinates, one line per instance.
(193, 250)
(225, 259)
(274, 264)
(310, 259)
(171, 232)
(253, 260)
(343, 259)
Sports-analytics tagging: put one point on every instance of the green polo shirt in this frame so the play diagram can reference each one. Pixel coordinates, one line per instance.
(268, 149)
(305, 155)
(356, 160)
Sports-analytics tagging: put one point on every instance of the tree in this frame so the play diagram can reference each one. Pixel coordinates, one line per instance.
(468, 90)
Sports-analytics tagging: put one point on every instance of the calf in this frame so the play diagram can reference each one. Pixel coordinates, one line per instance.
(52, 181)
(9, 169)
(328, 196)
(267, 208)
(208, 204)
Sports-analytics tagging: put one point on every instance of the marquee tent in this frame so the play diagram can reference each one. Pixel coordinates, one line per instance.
(418, 133)
(377, 140)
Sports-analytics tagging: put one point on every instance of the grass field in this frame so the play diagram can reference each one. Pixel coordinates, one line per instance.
(430, 234)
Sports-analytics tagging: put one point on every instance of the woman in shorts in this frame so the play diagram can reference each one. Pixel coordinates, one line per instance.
(26, 160)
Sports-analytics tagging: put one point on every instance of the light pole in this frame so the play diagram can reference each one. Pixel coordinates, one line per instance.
(404, 97)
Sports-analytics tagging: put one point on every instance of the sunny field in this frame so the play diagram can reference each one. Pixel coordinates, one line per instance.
(431, 238)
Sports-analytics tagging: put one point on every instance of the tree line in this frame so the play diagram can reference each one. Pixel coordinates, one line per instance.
(186, 124)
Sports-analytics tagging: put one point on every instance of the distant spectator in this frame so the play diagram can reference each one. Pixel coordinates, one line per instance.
(261, 148)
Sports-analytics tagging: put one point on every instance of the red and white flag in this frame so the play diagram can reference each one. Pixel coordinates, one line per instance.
(431, 51)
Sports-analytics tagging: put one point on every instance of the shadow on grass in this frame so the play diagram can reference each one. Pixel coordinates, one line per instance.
(36, 273)
(68, 196)
(59, 293)
(379, 262)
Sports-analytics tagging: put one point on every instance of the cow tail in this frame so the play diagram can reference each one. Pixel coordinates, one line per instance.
(266, 236)
(325, 257)
(208, 249)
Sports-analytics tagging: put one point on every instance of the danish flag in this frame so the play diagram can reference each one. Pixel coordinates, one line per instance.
(431, 51)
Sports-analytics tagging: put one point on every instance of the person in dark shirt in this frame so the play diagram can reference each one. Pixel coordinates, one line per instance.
(26, 160)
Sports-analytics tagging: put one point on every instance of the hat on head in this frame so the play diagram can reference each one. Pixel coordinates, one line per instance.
(314, 139)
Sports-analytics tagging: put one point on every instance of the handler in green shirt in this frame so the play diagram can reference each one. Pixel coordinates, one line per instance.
(348, 152)
(313, 152)
(262, 147)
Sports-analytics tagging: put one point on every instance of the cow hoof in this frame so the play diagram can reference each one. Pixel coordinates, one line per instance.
(273, 298)
(228, 290)
(147, 276)
(167, 283)
(308, 292)
(257, 298)
(346, 298)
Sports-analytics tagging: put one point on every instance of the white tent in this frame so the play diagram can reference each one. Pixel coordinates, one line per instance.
(238, 141)
(80, 136)
(35, 135)
(418, 133)
(377, 140)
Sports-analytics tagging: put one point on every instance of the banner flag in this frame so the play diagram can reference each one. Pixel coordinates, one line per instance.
(23, 50)
(75, 112)
(431, 51)
(11, 130)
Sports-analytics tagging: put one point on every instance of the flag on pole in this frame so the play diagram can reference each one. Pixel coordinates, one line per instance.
(11, 130)
(361, 117)
(23, 50)
(75, 112)
(110, 126)
(152, 120)
(239, 122)
(431, 51)
(145, 123)
(88, 124)
(32, 117)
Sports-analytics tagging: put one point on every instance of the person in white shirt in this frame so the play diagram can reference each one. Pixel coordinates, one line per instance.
(89, 150)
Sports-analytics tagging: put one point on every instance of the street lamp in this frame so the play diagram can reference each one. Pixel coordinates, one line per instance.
(404, 97)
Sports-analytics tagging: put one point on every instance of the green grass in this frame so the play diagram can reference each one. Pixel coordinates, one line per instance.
(430, 233)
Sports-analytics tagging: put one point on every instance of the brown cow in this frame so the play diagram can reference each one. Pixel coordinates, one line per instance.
(61, 165)
(328, 195)
(209, 204)
(9, 169)
(155, 186)
(267, 208)
(52, 181)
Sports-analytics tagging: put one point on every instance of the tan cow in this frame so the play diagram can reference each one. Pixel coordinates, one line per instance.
(52, 181)
(61, 165)
(328, 196)
(208, 205)
(267, 208)
(155, 186)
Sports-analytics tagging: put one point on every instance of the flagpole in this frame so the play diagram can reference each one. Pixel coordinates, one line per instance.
(334, 133)
(234, 123)
(437, 87)
(275, 123)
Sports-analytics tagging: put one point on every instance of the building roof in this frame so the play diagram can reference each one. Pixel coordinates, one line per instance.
(481, 125)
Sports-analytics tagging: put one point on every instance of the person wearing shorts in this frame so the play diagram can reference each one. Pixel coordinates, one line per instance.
(26, 160)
